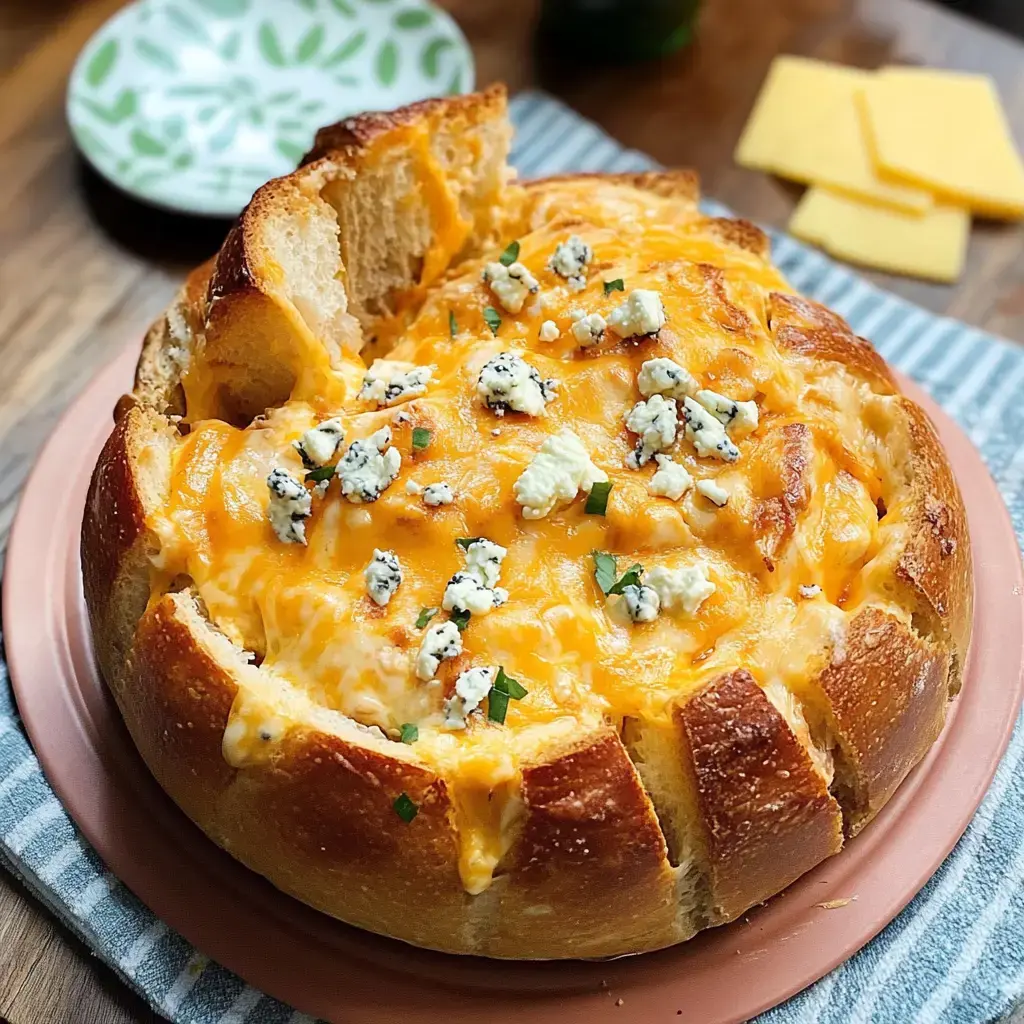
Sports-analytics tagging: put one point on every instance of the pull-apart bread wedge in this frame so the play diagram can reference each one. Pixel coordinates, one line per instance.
(519, 569)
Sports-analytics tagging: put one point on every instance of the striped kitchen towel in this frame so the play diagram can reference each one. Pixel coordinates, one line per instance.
(955, 954)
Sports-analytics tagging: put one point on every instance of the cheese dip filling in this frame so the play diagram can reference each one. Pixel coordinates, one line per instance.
(432, 577)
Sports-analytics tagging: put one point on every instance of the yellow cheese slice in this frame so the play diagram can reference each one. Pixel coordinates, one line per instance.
(930, 245)
(945, 131)
(806, 126)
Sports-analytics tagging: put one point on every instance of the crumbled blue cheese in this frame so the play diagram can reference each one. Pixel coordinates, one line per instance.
(681, 590)
(556, 475)
(548, 331)
(655, 422)
(587, 329)
(739, 418)
(383, 576)
(670, 479)
(475, 589)
(400, 417)
(369, 467)
(809, 590)
(318, 446)
(511, 285)
(290, 506)
(388, 381)
(440, 642)
(641, 313)
(435, 495)
(484, 558)
(509, 382)
(715, 493)
(570, 259)
(471, 688)
(642, 603)
(665, 377)
(706, 432)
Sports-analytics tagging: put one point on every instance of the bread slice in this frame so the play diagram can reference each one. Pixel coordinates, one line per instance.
(381, 207)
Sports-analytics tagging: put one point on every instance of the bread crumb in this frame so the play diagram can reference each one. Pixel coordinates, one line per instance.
(836, 904)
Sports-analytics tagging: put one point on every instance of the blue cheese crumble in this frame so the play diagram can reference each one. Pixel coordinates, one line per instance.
(739, 418)
(383, 576)
(388, 382)
(319, 445)
(290, 506)
(509, 382)
(475, 589)
(548, 331)
(369, 467)
(715, 493)
(558, 472)
(809, 590)
(655, 422)
(706, 433)
(587, 329)
(681, 590)
(471, 688)
(511, 285)
(665, 377)
(670, 480)
(642, 603)
(642, 313)
(433, 495)
(570, 259)
(439, 643)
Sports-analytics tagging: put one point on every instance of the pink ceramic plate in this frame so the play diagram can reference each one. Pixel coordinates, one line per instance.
(330, 970)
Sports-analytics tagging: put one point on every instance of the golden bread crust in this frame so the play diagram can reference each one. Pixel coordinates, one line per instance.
(669, 774)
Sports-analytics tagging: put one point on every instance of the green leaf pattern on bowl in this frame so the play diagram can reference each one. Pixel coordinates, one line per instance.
(193, 104)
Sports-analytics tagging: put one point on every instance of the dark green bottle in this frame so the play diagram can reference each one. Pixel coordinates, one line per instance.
(616, 31)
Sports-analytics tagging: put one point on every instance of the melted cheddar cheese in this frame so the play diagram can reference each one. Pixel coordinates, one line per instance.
(319, 641)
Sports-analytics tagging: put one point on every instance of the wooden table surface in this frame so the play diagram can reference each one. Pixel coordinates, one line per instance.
(83, 270)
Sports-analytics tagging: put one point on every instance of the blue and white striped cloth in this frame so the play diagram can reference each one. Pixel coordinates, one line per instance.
(955, 954)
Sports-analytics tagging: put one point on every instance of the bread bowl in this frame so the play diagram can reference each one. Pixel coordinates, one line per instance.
(518, 745)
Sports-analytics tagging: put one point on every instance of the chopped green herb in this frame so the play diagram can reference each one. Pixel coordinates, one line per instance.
(467, 542)
(503, 689)
(461, 619)
(614, 286)
(453, 327)
(405, 808)
(630, 578)
(510, 255)
(408, 733)
(597, 499)
(493, 318)
(426, 614)
(605, 570)
(420, 437)
(318, 476)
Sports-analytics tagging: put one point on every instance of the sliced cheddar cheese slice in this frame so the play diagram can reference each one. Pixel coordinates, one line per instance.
(930, 245)
(945, 131)
(806, 126)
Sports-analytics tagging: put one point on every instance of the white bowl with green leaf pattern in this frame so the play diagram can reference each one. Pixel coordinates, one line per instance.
(193, 104)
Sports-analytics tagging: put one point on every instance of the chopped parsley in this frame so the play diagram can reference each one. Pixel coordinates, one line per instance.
(597, 499)
(606, 569)
(453, 327)
(467, 542)
(320, 474)
(502, 690)
(408, 733)
(426, 614)
(614, 286)
(493, 318)
(461, 619)
(510, 255)
(405, 808)
(420, 437)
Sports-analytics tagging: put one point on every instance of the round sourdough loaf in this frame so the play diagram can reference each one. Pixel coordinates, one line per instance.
(518, 569)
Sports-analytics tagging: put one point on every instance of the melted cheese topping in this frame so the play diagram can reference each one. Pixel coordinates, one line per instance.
(321, 643)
